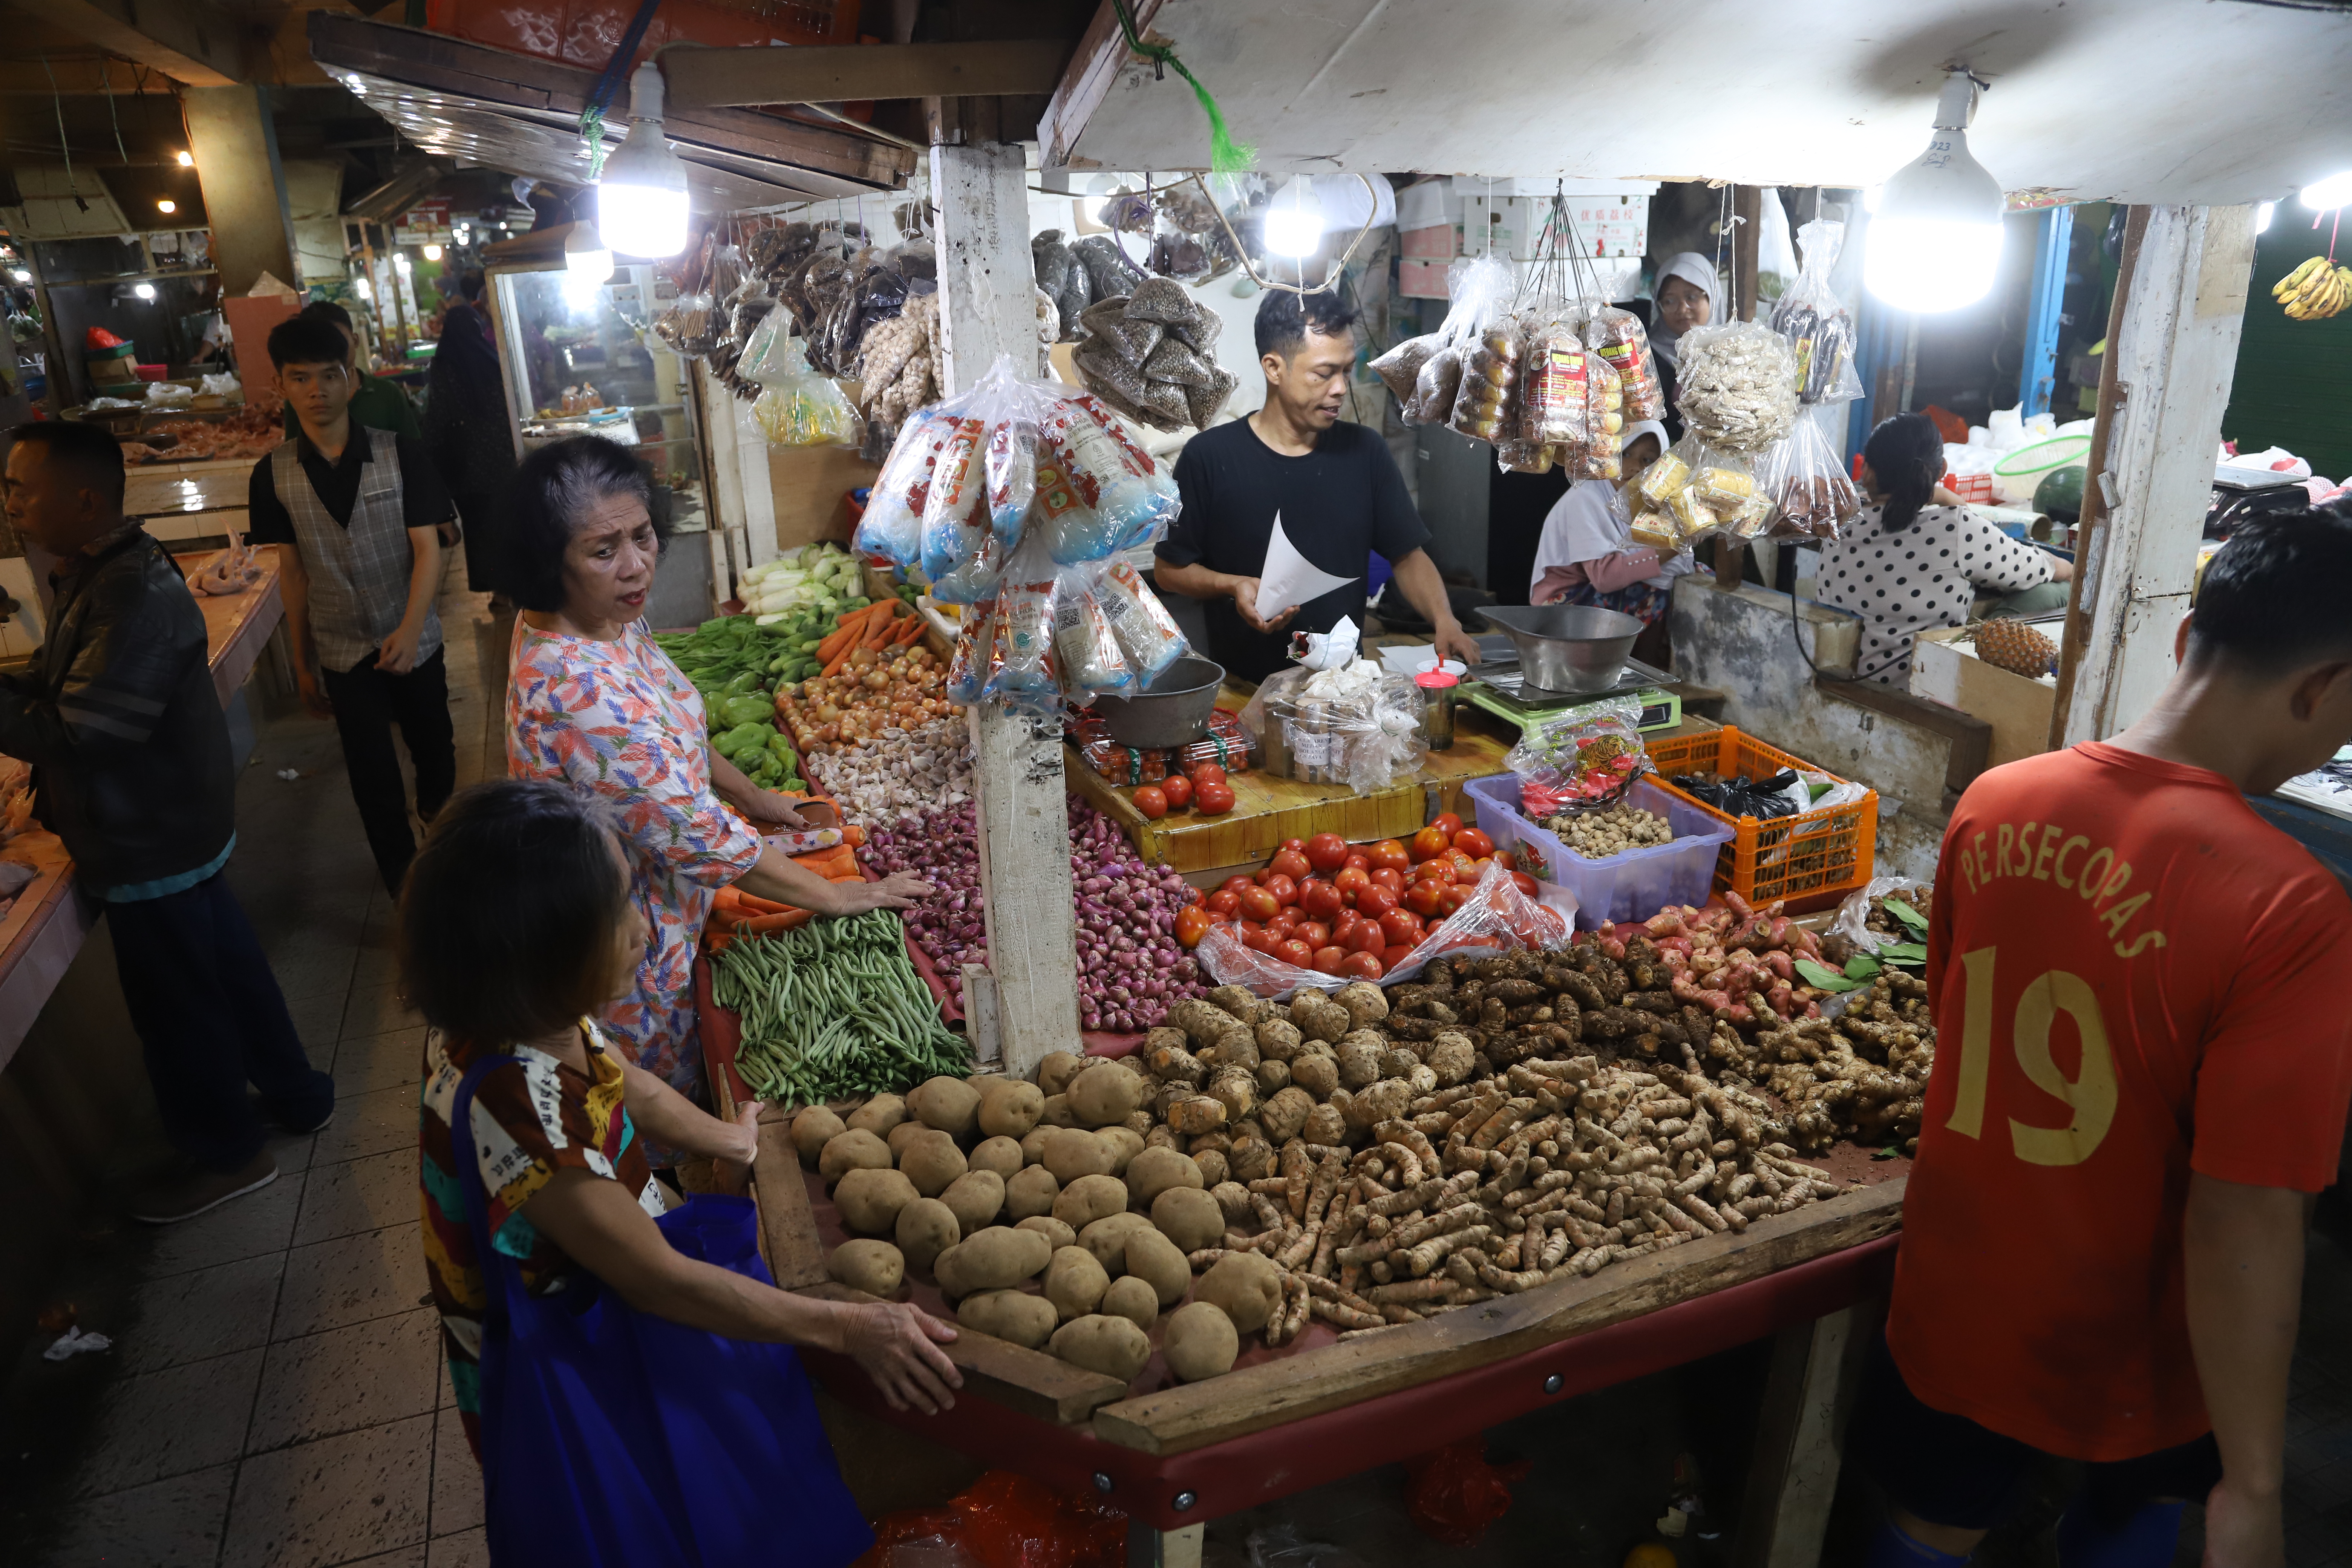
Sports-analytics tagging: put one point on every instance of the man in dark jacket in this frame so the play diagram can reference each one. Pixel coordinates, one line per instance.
(130, 767)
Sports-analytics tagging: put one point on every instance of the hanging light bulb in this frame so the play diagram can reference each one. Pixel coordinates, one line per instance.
(167, 206)
(2264, 211)
(1294, 223)
(360, 286)
(432, 253)
(400, 259)
(143, 291)
(22, 275)
(1936, 235)
(2327, 194)
(641, 201)
(585, 254)
(187, 160)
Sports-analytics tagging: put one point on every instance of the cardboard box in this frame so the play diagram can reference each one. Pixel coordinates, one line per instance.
(1945, 669)
(1418, 280)
(1432, 244)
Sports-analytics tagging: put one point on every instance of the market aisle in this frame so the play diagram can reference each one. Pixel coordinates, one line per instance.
(278, 1399)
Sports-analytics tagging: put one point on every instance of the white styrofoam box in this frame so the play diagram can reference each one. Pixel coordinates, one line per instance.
(1428, 205)
(1419, 279)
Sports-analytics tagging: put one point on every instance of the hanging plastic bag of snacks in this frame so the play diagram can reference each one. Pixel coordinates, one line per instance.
(1086, 648)
(1604, 417)
(1555, 389)
(1737, 386)
(1425, 371)
(1022, 670)
(1486, 407)
(803, 408)
(1147, 634)
(1618, 337)
(1818, 328)
(1694, 491)
(1808, 484)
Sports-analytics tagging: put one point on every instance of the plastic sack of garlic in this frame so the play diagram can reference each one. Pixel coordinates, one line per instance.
(232, 571)
(1737, 386)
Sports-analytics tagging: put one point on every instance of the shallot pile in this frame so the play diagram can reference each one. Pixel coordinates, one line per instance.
(1130, 967)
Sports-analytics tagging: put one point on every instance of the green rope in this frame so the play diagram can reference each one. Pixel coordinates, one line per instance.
(1226, 156)
(592, 128)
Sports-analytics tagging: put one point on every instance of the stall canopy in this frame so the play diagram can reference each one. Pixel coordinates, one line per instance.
(476, 104)
(2136, 101)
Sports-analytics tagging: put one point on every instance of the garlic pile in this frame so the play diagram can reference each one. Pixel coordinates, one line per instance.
(903, 773)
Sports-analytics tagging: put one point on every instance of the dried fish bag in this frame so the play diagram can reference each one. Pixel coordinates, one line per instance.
(1818, 330)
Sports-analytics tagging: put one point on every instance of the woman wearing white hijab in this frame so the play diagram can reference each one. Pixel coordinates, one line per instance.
(1588, 555)
(1687, 295)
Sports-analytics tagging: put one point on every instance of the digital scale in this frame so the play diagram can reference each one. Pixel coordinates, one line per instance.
(1501, 690)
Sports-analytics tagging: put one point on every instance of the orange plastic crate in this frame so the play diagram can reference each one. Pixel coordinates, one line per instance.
(1807, 858)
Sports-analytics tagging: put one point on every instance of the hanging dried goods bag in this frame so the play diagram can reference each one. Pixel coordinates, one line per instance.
(1737, 386)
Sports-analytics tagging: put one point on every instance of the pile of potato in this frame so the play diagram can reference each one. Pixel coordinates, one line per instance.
(1326, 1159)
(1598, 835)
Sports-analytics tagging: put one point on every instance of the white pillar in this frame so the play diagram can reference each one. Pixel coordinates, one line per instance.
(2173, 349)
(987, 307)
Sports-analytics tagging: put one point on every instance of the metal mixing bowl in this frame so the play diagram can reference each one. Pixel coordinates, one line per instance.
(1568, 648)
(1173, 711)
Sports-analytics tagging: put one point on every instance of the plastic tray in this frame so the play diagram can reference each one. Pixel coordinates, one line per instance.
(1629, 886)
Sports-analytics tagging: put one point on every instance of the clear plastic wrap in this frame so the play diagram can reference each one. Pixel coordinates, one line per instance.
(1486, 408)
(1618, 337)
(1127, 499)
(1400, 366)
(1555, 389)
(1604, 417)
(1694, 491)
(803, 408)
(1851, 920)
(1435, 388)
(1495, 918)
(1818, 328)
(1147, 634)
(1022, 671)
(1359, 725)
(892, 527)
(1583, 758)
(1480, 289)
(1811, 495)
(1086, 650)
(1737, 386)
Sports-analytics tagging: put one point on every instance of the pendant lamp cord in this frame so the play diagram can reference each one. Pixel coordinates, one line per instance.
(592, 118)
(1226, 156)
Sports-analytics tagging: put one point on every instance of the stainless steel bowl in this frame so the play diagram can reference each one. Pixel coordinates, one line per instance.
(1173, 711)
(1568, 648)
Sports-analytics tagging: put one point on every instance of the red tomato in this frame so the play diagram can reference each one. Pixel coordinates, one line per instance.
(1295, 845)
(1284, 889)
(1351, 882)
(1293, 865)
(1226, 904)
(1178, 791)
(1253, 936)
(1434, 871)
(1399, 929)
(1474, 843)
(1207, 772)
(1363, 965)
(1465, 868)
(1524, 883)
(1363, 938)
(1151, 801)
(1284, 923)
(1328, 960)
(1213, 799)
(1319, 899)
(1430, 841)
(1448, 821)
(1421, 897)
(1389, 852)
(1451, 899)
(1237, 884)
(1260, 904)
(1506, 861)
(1191, 924)
(1389, 877)
(1314, 934)
(1374, 902)
(1327, 852)
(1359, 859)
(1296, 951)
(1349, 920)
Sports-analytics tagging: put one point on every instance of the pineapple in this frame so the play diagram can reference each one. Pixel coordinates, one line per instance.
(2015, 646)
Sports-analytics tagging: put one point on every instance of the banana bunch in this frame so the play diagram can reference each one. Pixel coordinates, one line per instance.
(2314, 291)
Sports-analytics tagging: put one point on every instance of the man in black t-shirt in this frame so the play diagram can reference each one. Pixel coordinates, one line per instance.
(1337, 488)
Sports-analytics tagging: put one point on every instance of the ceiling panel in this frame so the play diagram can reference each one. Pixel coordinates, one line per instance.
(2143, 100)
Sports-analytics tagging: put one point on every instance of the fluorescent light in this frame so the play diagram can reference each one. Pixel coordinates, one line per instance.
(167, 205)
(145, 290)
(585, 254)
(21, 275)
(2327, 194)
(432, 253)
(361, 284)
(641, 201)
(1934, 240)
(400, 259)
(1294, 222)
(2262, 214)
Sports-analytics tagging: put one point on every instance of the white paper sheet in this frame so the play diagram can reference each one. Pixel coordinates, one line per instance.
(1288, 578)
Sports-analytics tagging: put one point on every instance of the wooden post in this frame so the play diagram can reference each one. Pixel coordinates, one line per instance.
(987, 307)
(1747, 212)
(1800, 1440)
(235, 143)
(2171, 352)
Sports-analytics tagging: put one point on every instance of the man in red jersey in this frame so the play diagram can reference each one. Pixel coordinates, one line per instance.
(2142, 1070)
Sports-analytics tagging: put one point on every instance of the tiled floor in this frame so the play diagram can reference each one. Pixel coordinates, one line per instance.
(275, 1398)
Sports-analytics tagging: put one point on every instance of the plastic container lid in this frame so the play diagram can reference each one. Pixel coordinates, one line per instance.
(1436, 680)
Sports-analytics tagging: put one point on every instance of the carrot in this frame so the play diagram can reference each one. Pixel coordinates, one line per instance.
(879, 631)
(909, 632)
(839, 660)
(789, 920)
(759, 906)
(835, 642)
(727, 898)
(853, 834)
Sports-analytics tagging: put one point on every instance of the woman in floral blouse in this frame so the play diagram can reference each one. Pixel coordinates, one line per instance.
(592, 700)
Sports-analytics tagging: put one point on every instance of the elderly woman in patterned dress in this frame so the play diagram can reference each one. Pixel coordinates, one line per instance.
(591, 701)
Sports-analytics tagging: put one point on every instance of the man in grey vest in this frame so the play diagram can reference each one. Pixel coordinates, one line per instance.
(130, 762)
(358, 512)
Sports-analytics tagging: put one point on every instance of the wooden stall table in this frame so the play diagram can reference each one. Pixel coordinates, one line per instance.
(204, 500)
(1267, 810)
(44, 929)
(1173, 1456)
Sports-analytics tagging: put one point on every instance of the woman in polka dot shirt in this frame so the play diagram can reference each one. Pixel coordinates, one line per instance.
(1917, 557)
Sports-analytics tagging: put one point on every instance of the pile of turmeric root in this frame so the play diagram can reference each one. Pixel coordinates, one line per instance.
(1370, 1157)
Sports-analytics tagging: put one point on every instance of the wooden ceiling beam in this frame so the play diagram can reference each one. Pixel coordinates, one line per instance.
(779, 73)
(1102, 53)
(191, 41)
